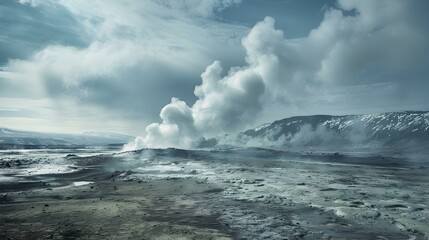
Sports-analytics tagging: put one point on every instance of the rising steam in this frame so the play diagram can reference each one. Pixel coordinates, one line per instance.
(313, 70)
(225, 103)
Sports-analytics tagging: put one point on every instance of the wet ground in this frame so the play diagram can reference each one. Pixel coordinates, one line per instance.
(234, 194)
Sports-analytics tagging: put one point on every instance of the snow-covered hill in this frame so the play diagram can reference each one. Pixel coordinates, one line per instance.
(10, 137)
(385, 129)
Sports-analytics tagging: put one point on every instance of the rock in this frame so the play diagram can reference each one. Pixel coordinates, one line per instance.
(357, 202)
(395, 206)
(247, 181)
(399, 225)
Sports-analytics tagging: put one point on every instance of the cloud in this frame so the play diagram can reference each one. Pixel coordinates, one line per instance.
(138, 55)
(382, 38)
(205, 8)
(362, 50)
(33, 3)
(381, 42)
(27, 28)
(359, 45)
(225, 104)
(126, 60)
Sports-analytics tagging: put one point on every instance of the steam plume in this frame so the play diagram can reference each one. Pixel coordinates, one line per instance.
(331, 64)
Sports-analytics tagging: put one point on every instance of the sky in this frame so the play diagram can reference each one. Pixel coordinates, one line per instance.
(173, 71)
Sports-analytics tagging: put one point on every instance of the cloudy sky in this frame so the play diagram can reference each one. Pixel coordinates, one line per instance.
(177, 70)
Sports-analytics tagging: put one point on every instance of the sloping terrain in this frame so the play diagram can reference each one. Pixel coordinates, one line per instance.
(15, 138)
(393, 129)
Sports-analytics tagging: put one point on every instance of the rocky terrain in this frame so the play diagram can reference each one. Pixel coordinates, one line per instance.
(247, 193)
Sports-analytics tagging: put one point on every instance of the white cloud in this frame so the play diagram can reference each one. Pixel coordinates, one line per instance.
(33, 3)
(205, 8)
(363, 44)
(225, 104)
(364, 55)
(140, 53)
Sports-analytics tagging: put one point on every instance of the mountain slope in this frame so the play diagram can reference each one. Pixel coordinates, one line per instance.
(10, 137)
(385, 129)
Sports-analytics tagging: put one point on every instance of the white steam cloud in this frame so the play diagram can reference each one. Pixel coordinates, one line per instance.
(226, 104)
(361, 45)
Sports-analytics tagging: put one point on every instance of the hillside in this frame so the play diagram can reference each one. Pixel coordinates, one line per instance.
(408, 128)
(10, 138)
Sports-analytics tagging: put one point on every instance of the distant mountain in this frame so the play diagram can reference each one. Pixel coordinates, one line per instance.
(107, 135)
(408, 128)
(16, 138)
